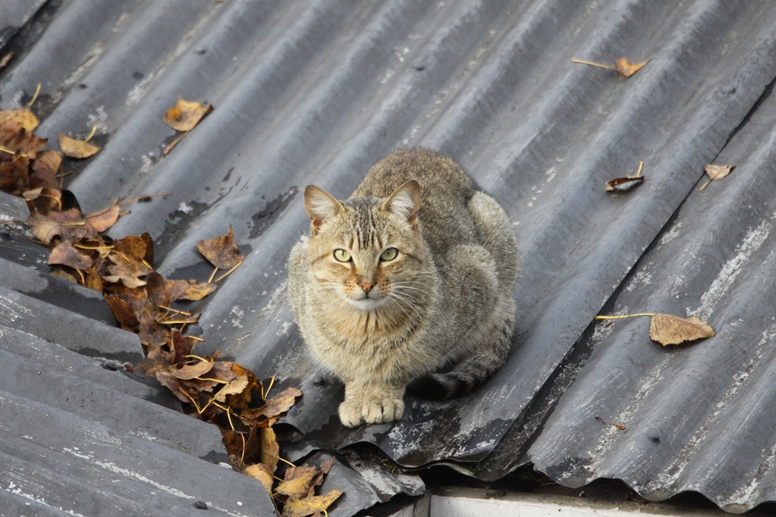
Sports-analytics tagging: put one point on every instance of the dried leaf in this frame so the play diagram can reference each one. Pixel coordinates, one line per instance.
(192, 371)
(272, 408)
(141, 247)
(197, 291)
(45, 169)
(149, 367)
(65, 254)
(43, 200)
(235, 387)
(24, 117)
(261, 472)
(716, 172)
(73, 148)
(123, 312)
(185, 115)
(672, 330)
(104, 219)
(169, 380)
(310, 505)
(270, 450)
(162, 291)
(127, 266)
(14, 137)
(623, 184)
(222, 251)
(298, 486)
(626, 69)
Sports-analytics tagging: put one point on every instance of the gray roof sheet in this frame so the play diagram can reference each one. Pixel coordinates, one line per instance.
(316, 92)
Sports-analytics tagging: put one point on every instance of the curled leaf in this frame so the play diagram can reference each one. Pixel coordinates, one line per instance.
(672, 330)
(623, 184)
(185, 115)
(310, 505)
(626, 69)
(73, 148)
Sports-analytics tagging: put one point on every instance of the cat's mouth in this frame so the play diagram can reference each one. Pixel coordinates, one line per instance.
(366, 303)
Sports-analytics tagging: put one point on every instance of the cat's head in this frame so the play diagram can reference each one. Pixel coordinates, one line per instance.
(368, 254)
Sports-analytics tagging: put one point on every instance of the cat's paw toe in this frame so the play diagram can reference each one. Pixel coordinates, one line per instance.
(379, 411)
(350, 414)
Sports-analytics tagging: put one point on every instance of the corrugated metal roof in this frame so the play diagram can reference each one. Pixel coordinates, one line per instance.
(316, 92)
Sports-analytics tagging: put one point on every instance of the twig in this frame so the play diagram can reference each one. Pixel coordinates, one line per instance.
(94, 129)
(209, 280)
(34, 97)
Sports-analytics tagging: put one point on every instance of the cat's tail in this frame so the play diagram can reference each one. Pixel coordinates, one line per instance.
(477, 366)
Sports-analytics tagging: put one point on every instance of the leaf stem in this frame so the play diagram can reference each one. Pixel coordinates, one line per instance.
(94, 129)
(606, 317)
(599, 65)
(34, 97)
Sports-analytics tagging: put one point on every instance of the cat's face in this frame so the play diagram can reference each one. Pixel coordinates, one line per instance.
(367, 254)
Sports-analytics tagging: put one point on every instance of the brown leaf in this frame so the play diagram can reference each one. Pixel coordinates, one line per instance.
(136, 298)
(162, 291)
(174, 384)
(717, 172)
(152, 334)
(73, 148)
(123, 312)
(310, 505)
(261, 472)
(104, 219)
(626, 69)
(672, 330)
(127, 266)
(43, 200)
(193, 370)
(272, 408)
(45, 169)
(197, 291)
(235, 387)
(149, 367)
(222, 251)
(93, 280)
(141, 247)
(24, 117)
(182, 345)
(298, 486)
(18, 140)
(64, 253)
(185, 115)
(270, 450)
(623, 184)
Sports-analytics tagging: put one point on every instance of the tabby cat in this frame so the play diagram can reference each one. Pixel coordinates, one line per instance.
(390, 290)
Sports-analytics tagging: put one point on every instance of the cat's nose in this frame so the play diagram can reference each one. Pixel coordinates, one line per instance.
(366, 285)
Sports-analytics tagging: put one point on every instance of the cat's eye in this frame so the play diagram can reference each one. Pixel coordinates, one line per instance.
(389, 254)
(341, 255)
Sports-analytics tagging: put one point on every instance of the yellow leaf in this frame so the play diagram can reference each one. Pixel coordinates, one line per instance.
(310, 505)
(185, 115)
(73, 148)
(25, 117)
(298, 487)
(626, 69)
(262, 473)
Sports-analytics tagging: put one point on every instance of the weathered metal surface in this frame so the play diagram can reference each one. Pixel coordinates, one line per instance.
(318, 91)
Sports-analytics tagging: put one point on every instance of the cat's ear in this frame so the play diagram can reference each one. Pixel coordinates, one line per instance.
(405, 201)
(320, 205)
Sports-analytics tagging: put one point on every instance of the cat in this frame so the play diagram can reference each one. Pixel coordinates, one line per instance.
(407, 282)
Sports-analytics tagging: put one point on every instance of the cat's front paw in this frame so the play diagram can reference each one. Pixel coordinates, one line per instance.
(371, 411)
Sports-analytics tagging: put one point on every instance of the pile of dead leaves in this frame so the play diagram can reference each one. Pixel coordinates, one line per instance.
(221, 392)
